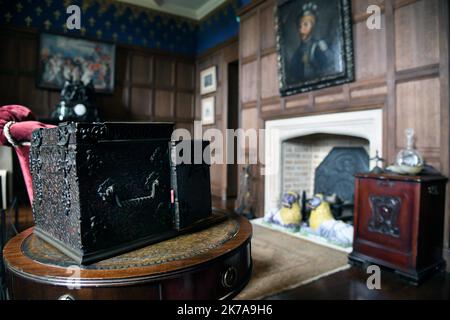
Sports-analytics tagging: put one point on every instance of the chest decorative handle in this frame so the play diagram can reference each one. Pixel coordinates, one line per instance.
(109, 191)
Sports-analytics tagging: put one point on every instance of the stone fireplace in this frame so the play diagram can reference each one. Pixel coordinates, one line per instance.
(295, 147)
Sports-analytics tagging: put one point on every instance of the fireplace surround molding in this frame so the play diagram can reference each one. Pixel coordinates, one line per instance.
(363, 124)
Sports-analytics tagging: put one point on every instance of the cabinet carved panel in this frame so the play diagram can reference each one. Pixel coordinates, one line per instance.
(385, 211)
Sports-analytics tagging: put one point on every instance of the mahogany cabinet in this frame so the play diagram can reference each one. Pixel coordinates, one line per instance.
(399, 223)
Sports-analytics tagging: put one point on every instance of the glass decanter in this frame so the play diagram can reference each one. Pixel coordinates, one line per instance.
(409, 156)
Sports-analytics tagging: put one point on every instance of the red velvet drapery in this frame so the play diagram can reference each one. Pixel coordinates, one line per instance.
(20, 123)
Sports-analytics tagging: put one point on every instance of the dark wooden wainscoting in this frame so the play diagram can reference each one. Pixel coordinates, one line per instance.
(150, 85)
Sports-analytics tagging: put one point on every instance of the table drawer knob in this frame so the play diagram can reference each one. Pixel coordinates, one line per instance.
(229, 277)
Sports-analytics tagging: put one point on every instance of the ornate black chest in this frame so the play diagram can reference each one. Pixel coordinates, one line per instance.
(105, 188)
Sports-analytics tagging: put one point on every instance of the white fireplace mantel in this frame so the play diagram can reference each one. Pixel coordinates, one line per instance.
(362, 124)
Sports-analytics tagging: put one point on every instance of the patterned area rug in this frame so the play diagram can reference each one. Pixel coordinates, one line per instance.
(282, 262)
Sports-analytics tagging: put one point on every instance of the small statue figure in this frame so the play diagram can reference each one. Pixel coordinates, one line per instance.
(377, 169)
(321, 211)
(77, 103)
(290, 213)
(244, 202)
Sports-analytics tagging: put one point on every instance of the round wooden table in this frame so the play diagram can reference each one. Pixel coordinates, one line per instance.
(214, 263)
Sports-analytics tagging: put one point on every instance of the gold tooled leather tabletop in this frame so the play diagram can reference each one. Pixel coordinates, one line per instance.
(181, 247)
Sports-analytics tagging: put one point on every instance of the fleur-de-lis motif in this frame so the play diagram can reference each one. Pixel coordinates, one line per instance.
(47, 24)
(28, 21)
(57, 14)
(38, 11)
(86, 4)
(103, 8)
(19, 7)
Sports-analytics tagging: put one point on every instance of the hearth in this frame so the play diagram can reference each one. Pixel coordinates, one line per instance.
(296, 147)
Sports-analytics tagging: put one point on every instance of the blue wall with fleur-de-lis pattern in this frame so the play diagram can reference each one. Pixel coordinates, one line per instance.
(219, 26)
(121, 23)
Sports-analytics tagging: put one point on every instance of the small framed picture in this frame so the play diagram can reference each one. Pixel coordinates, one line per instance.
(208, 80)
(208, 110)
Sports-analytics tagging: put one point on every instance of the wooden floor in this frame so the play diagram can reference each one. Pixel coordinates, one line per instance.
(351, 285)
(348, 284)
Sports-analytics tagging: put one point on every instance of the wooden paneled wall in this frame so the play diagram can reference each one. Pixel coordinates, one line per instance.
(402, 69)
(220, 57)
(150, 85)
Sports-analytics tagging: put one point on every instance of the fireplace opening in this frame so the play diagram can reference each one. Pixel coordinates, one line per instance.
(324, 164)
(294, 150)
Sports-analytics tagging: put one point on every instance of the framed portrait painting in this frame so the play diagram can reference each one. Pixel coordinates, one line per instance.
(208, 110)
(208, 80)
(314, 43)
(66, 58)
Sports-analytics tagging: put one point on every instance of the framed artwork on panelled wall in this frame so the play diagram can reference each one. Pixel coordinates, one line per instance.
(208, 110)
(314, 43)
(64, 58)
(208, 80)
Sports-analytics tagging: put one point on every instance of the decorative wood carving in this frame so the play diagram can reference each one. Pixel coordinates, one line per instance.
(384, 215)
